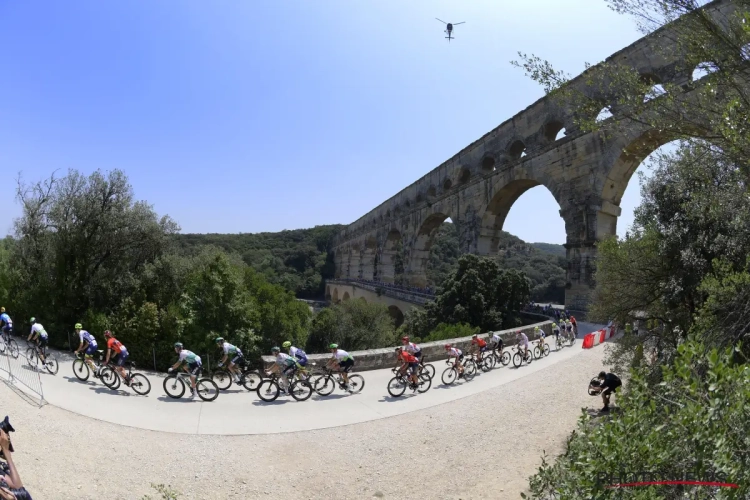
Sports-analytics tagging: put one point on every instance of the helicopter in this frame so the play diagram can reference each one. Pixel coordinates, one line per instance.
(449, 28)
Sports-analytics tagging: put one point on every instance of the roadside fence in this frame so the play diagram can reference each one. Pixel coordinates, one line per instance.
(17, 372)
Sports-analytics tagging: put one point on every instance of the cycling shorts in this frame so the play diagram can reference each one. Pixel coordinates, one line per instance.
(8, 330)
(194, 368)
(483, 349)
(418, 355)
(414, 368)
(43, 341)
(91, 349)
(302, 361)
(289, 369)
(346, 365)
(121, 358)
(237, 358)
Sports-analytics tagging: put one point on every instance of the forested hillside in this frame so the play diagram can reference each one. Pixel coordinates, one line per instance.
(300, 261)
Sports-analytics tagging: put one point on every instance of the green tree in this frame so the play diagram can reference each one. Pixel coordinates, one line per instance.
(444, 331)
(354, 325)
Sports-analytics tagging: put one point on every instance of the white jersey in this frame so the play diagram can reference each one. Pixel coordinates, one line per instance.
(523, 339)
(412, 348)
(341, 355)
(453, 352)
(38, 328)
(496, 338)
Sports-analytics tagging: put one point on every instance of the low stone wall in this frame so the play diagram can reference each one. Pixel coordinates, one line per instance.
(375, 359)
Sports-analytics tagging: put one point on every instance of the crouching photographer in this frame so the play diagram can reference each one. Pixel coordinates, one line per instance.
(605, 384)
(11, 486)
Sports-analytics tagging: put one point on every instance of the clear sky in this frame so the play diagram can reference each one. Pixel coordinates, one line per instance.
(239, 116)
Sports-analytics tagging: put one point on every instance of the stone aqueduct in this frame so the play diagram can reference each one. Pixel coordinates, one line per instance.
(586, 172)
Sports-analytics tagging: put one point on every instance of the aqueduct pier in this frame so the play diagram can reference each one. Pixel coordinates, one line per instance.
(586, 172)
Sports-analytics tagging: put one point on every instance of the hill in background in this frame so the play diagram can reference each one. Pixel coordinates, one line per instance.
(300, 260)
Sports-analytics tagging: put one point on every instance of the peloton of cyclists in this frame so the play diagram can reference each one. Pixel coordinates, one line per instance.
(39, 336)
(341, 361)
(236, 354)
(87, 346)
(191, 364)
(407, 361)
(120, 352)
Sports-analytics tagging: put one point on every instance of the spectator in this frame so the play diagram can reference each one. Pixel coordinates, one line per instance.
(11, 486)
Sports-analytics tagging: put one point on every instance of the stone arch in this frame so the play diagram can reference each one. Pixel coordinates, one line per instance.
(464, 175)
(346, 297)
(552, 130)
(362, 299)
(493, 217)
(656, 90)
(369, 262)
(431, 192)
(420, 252)
(390, 253)
(447, 184)
(702, 70)
(397, 315)
(516, 150)
(488, 164)
(335, 296)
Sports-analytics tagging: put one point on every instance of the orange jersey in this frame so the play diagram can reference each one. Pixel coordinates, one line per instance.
(479, 342)
(115, 345)
(408, 358)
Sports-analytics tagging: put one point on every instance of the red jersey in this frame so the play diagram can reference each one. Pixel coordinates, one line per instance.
(115, 345)
(479, 342)
(408, 358)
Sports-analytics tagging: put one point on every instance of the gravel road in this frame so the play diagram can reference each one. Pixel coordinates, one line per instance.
(482, 446)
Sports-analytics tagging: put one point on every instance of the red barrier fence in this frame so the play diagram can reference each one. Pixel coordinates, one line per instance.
(595, 338)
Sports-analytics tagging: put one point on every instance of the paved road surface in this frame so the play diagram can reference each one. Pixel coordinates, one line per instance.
(238, 411)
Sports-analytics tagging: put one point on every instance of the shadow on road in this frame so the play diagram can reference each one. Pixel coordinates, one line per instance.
(277, 402)
(331, 397)
(77, 380)
(107, 390)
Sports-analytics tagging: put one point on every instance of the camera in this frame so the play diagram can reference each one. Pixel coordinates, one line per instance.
(5, 426)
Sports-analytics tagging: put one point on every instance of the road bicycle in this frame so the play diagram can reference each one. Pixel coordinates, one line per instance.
(450, 374)
(324, 383)
(486, 364)
(398, 384)
(248, 377)
(136, 381)
(34, 355)
(541, 349)
(565, 339)
(499, 356)
(518, 358)
(429, 370)
(176, 383)
(82, 370)
(270, 388)
(9, 345)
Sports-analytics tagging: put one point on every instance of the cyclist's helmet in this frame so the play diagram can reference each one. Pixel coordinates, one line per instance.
(78, 326)
(107, 333)
(448, 346)
(2, 309)
(178, 345)
(286, 345)
(275, 349)
(219, 339)
(474, 336)
(397, 349)
(32, 320)
(333, 346)
(404, 339)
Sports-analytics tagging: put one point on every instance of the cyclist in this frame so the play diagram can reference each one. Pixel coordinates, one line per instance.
(296, 353)
(412, 348)
(342, 361)
(235, 352)
(458, 355)
(523, 340)
(481, 346)
(191, 364)
(120, 355)
(87, 346)
(575, 324)
(496, 343)
(39, 336)
(408, 361)
(556, 333)
(540, 335)
(6, 324)
(285, 366)
(569, 329)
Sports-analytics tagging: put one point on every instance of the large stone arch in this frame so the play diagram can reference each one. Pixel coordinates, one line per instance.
(389, 256)
(346, 297)
(420, 251)
(494, 215)
(335, 296)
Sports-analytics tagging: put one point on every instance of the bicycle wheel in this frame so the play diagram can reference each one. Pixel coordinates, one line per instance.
(207, 389)
(425, 382)
(505, 358)
(251, 380)
(325, 385)
(396, 386)
(572, 340)
(301, 390)
(140, 384)
(488, 363)
(529, 358)
(222, 378)
(356, 383)
(546, 349)
(31, 358)
(429, 370)
(470, 369)
(51, 364)
(174, 387)
(109, 377)
(449, 375)
(81, 370)
(13, 348)
(517, 359)
(268, 390)
(538, 353)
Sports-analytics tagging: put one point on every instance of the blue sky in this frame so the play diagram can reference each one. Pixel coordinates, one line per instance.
(238, 116)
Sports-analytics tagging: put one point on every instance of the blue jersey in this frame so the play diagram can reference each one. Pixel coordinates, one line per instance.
(5, 320)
